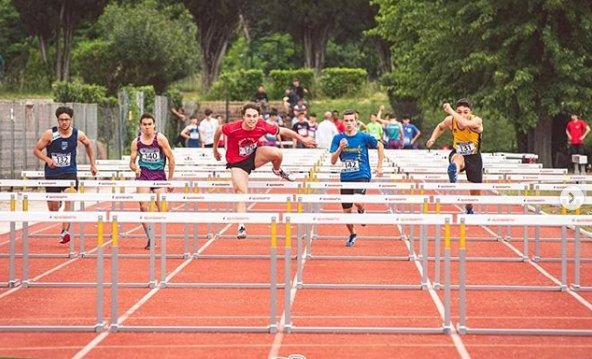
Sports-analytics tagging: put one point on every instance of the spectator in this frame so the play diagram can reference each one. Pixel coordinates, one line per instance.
(576, 131)
(301, 127)
(326, 131)
(300, 107)
(191, 133)
(299, 91)
(338, 123)
(411, 133)
(261, 98)
(312, 121)
(207, 128)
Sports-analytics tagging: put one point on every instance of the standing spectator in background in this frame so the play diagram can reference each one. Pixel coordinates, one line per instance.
(313, 125)
(300, 107)
(411, 133)
(289, 101)
(393, 131)
(326, 131)
(191, 133)
(299, 91)
(301, 127)
(576, 132)
(338, 123)
(374, 128)
(261, 98)
(207, 128)
(181, 124)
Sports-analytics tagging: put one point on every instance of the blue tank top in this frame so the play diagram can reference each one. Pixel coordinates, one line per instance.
(63, 151)
(193, 140)
(354, 158)
(152, 159)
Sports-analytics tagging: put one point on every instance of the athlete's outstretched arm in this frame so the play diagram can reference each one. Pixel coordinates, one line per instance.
(439, 130)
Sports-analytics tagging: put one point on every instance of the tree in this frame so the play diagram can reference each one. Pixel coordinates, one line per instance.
(217, 24)
(143, 44)
(520, 59)
(57, 20)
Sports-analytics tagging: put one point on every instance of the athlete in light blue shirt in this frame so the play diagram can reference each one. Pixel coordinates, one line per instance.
(351, 148)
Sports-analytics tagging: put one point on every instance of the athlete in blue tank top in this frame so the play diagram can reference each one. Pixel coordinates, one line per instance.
(351, 148)
(60, 144)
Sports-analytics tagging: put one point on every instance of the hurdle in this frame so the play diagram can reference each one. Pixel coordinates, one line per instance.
(11, 281)
(89, 217)
(515, 220)
(165, 218)
(333, 219)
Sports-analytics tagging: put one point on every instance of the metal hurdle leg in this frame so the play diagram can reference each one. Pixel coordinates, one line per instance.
(163, 240)
(447, 325)
(273, 327)
(499, 227)
(525, 238)
(114, 276)
(509, 228)
(82, 235)
(537, 237)
(576, 284)
(299, 262)
(25, 279)
(423, 243)
(152, 260)
(99, 326)
(288, 278)
(437, 258)
(563, 258)
(210, 235)
(462, 290)
(186, 235)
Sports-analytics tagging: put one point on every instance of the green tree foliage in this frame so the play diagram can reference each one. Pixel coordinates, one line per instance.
(217, 24)
(140, 44)
(520, 59)
(13, 42)
(56, 22)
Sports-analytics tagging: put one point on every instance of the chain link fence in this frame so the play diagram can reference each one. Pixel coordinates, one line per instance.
(23, 122)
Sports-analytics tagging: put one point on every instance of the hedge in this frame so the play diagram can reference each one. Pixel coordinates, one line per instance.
(282, 79)
(237, 85)
(338, 82)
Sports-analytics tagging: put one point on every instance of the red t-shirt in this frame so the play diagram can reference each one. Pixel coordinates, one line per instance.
(240, 143)
(340, 125)
(576, 129)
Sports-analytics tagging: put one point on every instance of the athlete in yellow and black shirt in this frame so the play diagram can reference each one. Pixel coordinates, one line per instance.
(466, 132)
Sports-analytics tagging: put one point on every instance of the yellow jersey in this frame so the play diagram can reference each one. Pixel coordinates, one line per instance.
(466, 141)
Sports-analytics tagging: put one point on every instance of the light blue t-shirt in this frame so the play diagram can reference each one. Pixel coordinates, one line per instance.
(355, 163)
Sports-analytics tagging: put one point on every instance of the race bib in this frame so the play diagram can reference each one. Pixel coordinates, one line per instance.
(350, 166)
(247, 150)
(61, 159)
(150, 156)
(303, 132)
(465, 148)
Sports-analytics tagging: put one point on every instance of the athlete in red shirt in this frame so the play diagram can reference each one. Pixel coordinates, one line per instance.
(243, 155)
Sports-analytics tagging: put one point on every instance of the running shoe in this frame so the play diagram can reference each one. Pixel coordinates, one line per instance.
(64, 237)
(242, 232)
(351, 240)
(284, 175)
(452, 175)
(147, 247)
(469, 210)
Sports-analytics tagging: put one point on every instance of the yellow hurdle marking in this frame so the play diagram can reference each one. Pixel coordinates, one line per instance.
(114, 233)
(462, 241)
(288, 243)
(100, 232)
(273, 234)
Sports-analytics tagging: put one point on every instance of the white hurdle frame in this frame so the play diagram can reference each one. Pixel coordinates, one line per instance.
(515, 220)
(335, 219)
(203, 218)
(77, 217)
